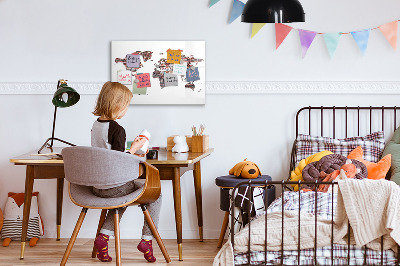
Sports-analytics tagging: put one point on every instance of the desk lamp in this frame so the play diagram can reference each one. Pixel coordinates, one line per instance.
(64, 96)
(273, 11)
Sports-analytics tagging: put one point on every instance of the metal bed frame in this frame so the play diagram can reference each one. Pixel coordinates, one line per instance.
(283, 184)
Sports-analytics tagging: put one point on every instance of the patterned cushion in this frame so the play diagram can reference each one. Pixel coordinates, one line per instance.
(372, 144)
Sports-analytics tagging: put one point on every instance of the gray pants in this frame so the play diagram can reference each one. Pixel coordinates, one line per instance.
(154, 208)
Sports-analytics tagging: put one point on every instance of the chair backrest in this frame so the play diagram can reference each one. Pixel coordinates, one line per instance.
(92, 166)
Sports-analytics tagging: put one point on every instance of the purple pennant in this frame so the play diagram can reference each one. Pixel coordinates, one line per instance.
(306, 39)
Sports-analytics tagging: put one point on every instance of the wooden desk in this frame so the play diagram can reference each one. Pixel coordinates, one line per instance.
(171, 167)
(40, 167)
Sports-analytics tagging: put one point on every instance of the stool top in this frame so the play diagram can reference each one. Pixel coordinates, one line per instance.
(230, 181)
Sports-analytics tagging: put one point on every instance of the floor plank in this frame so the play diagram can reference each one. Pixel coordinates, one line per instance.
(49, 252)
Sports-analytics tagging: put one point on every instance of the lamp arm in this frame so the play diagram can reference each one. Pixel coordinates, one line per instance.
(54, 126)
(54, 119)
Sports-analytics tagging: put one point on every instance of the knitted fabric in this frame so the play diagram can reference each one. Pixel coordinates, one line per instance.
(146, 247)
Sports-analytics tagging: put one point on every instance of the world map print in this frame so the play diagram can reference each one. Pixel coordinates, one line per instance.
(164, 72)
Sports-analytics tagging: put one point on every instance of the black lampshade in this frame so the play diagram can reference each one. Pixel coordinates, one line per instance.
(65, 96)
(273, 11)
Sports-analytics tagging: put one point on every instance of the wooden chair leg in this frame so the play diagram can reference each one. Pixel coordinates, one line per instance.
(117, 238)
(154, 230)
(73, 237)
(101, 222)
(223, 229)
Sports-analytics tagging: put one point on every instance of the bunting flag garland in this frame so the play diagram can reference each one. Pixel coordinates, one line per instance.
(213, 2)
(256, 28)
(332, 41)
(306, 39)
(361, 37)
(237, 9)
(389, 30)
(281, 31)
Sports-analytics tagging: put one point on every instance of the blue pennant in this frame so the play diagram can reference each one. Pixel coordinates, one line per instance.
(361, 38)
(237, 9)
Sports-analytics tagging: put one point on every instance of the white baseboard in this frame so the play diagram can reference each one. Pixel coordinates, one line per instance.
(231, 87)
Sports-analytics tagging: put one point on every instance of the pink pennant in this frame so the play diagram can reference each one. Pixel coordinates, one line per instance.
(281, 31)
(306, 39)
(389, 30)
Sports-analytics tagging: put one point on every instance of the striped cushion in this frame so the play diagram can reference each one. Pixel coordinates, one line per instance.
(372, 145)
(13, 228)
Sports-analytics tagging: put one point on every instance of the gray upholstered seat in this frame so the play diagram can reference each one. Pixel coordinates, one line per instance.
(90, 166)
(83, 196)
(87, 167)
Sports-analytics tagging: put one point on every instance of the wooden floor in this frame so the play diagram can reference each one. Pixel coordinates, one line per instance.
(50, 252)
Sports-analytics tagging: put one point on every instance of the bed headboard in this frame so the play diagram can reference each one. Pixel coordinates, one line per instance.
(348, 115)
(344, 121)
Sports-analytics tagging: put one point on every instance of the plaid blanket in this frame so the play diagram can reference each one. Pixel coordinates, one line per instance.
(323, 205)
(324, 257)
(306, 201)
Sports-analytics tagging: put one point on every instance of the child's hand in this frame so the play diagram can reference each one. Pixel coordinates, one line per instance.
(137, 144)
(143, 155)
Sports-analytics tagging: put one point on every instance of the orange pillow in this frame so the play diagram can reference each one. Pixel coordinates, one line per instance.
(375, 170)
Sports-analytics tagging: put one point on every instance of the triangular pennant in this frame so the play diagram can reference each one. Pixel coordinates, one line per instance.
(237, 9)
(389, 30)
(361, 37)
(332, 41)
(213, 2)
(256, 28)
(306, 39)
(281, 31)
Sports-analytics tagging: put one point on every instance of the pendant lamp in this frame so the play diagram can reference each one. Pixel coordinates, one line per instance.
(64, 96)
(273, 11)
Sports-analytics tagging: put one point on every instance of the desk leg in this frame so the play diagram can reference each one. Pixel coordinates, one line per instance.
(27, 206)
(176, 182)
(60, 190)
(199, 204)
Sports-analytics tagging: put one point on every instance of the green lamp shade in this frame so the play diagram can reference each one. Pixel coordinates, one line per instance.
(65, 96)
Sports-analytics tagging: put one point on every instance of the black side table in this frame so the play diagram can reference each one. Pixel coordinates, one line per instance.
(226, 183)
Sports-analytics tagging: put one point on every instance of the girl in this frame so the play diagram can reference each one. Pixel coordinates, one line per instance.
(112, 103)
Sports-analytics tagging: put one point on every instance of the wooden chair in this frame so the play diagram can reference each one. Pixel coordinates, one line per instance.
(85, 167)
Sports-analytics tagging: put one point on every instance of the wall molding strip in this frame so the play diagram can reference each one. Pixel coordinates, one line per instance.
(232, 87)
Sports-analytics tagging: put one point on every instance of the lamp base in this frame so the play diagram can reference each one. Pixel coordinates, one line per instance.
(50, 146)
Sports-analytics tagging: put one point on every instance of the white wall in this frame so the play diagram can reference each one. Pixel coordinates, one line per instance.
(42, 41)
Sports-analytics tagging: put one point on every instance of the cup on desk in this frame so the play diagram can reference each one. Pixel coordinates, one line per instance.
(152, 155)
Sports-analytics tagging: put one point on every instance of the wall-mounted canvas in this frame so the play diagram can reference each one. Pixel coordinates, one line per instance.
(160, 72)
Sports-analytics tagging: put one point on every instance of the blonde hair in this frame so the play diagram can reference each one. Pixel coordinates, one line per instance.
(112, 99)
